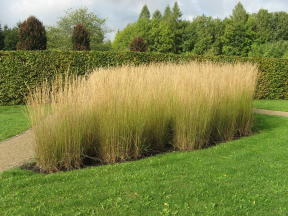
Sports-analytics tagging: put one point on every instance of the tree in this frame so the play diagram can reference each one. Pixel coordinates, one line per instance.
(167, 13)
(176, 12)
(237, 40)
(157, 15)
(161, 37)
(280, 27)
(80, 38)
(145, 13)
(10, 38)
(138, 45)
(272, 50)
(123, 38)
(202, 36)
(32, 35)
(238, 36)
(1, 39)
(239, 14)
(59, 37)
(263, 26)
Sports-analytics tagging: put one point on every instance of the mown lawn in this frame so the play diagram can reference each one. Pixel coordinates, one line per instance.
(279, 105)
(12, 121)
(243, 177)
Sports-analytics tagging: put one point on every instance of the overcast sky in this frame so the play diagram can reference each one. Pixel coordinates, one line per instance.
(121, 12)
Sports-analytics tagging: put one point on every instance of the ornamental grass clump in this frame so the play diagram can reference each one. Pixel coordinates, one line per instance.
(126, 113)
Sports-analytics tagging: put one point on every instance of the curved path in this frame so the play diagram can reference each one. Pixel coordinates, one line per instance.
(19, 149)
(16, 150)
(271, 112)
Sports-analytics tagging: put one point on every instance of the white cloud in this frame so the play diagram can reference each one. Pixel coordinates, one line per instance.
(121, 12)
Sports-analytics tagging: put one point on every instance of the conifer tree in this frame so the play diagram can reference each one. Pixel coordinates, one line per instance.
(157, 15)
(80, 38)
(145, 13)
(32, 35)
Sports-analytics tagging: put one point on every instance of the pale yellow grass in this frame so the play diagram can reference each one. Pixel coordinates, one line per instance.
(129, 112)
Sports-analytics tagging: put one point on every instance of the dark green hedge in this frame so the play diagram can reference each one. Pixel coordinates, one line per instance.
(20, 70)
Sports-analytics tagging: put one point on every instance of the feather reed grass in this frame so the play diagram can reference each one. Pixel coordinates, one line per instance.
(126, 113)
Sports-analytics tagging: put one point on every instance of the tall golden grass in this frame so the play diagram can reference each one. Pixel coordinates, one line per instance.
(129, 112)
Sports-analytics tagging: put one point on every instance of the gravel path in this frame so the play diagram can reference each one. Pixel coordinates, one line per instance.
(270, 112)
(19, 149)
(16, 150)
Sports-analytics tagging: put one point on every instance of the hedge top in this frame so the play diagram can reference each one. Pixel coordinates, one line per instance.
(23, 70)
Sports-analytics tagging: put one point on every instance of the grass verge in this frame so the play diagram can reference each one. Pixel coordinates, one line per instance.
(278, 105)
(12, 121)
(241, 177)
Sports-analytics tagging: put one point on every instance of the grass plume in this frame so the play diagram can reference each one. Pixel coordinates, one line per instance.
(125, 113)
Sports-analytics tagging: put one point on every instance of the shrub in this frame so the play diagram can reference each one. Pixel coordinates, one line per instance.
(32, 35)
(80, 38)
(138, 45)
(24, 70)
(126, 113)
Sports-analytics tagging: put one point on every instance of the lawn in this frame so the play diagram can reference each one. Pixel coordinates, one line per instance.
(12, 121)
(279, 105)
(242, 177)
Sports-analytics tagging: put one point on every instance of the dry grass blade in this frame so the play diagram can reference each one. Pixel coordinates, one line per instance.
(126, 113)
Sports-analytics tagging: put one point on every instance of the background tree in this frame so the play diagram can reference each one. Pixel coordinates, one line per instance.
(32, 35)
(239, 14)
(59, 37)
(138, 45)
(241, 34)
(157, 15)
(167, 13)
(262, 23)
(161, 37)
(238, 37)
(145, 13)
(1, 38)
(80, 38)
(10, 38)
(278, 49)
(141, 28)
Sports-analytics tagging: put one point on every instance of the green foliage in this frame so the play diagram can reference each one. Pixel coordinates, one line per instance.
(10, 38)
(277, 49)
(80, 38)
(141, 28)
(176, 12)
(32, 35)
(1, 38)
(202, 36)
(161, 37)
(145, 13)
(138, 45)
(21, 70)
(167, 13)
(238, 35)
(239, 14)
(59, 37)
(263, 24)
(157, 15)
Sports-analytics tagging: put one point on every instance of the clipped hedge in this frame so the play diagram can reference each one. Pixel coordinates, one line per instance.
(23, 70)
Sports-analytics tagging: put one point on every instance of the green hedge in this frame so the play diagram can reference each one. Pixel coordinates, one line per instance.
(21, 70)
